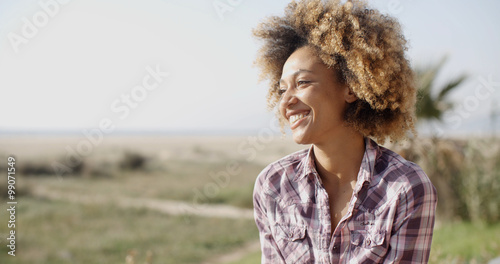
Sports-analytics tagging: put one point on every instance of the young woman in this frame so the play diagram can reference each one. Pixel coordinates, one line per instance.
(341, 80)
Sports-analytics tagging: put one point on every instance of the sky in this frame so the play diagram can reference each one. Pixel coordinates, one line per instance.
(172, 65)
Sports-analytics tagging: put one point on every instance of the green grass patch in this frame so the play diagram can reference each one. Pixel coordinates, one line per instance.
(251, 258)
(61, 232)
(463, 242)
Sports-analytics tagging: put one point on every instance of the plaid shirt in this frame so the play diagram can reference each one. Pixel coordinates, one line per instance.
(390, 217)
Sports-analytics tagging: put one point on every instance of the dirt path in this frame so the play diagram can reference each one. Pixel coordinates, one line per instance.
(165, 206)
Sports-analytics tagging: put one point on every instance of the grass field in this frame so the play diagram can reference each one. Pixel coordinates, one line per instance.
(62, 232)
(463, 242)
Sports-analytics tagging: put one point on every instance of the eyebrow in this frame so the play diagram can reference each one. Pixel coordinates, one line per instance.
(295, 74)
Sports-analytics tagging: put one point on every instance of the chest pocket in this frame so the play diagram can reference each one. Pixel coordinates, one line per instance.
(291, 234)
(368, 245)
(293, 243)
(367, 238)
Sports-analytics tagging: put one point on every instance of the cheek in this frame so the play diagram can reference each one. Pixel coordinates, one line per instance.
(328, 108)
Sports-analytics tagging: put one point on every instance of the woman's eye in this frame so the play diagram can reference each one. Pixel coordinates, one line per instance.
(281, 91)
(299, 83)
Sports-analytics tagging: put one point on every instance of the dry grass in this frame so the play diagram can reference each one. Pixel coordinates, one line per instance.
(466, 174)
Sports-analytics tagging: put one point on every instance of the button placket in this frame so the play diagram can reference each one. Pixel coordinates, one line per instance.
(323, 216)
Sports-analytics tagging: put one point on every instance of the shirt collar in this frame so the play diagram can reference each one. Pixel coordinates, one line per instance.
(307, 165)
(367, 168)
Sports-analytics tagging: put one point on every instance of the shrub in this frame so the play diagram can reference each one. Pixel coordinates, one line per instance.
(466, 174)
(133, 161)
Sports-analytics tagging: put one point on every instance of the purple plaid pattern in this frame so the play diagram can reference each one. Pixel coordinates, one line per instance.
(390, 217)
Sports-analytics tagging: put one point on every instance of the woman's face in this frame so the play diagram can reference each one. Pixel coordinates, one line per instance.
(313, 100)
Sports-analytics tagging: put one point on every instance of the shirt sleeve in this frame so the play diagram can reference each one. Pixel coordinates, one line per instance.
(411, 237)
(270, 251)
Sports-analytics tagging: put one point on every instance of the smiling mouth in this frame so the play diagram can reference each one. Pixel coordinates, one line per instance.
(296, 118)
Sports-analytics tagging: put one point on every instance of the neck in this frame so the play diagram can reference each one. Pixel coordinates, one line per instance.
(339, 159)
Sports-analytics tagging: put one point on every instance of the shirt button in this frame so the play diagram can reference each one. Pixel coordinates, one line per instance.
(368, 242)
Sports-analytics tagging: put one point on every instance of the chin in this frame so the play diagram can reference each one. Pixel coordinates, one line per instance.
(301, 139)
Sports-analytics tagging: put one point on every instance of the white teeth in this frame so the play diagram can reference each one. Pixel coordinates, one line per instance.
(297, 117)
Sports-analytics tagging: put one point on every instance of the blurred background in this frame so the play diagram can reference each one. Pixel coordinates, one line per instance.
(138, 127)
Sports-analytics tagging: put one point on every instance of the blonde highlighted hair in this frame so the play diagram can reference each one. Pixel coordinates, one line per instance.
(367, 50)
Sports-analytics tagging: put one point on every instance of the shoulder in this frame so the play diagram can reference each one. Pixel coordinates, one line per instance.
(279, 172)
(400, 174)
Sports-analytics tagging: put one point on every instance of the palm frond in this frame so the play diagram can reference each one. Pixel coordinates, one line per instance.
(451, 86)
(430, 106)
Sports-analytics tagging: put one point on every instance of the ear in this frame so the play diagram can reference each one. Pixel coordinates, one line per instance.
(349, 95)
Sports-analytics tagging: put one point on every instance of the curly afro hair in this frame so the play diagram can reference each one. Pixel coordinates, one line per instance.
(366, 49)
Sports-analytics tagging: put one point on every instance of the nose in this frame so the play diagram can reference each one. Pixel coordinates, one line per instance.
(288, 98)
